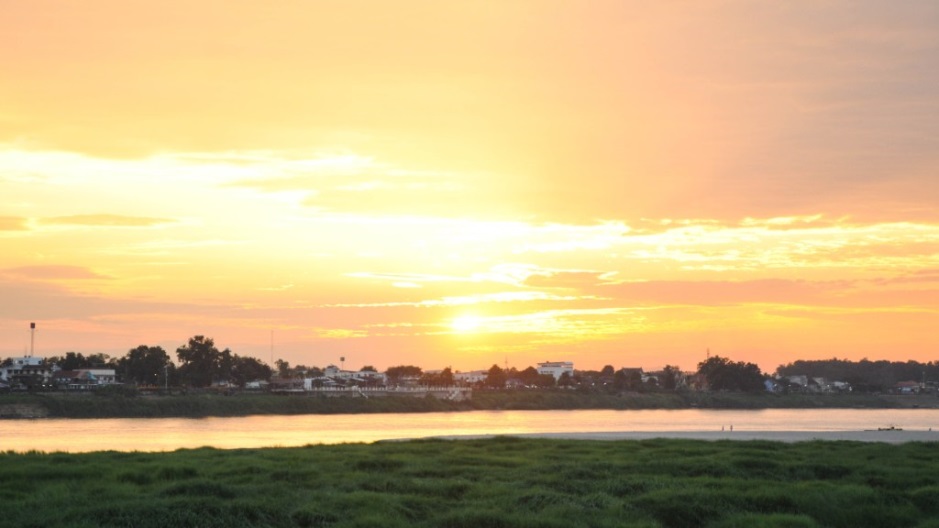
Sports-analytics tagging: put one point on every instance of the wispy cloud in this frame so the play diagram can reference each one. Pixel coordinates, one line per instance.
(105, 220)
(13, 223)
(466, 300)
(53, 273)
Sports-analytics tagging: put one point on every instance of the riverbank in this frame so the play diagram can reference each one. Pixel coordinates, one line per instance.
(127, 404)
(887, 436)
(504, 482)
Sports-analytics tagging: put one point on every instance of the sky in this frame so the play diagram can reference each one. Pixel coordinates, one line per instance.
(469, 183)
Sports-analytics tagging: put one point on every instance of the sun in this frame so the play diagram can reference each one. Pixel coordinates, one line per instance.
(466, 323)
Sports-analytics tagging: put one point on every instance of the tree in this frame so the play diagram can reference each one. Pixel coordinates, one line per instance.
(495, 377)
(283, 368)
(444, 378)
(70, 361)
(400, 372)
(144, 365)
(199, 361)
(670, 377)
(724, 374)
(245, 369)
(628, 379)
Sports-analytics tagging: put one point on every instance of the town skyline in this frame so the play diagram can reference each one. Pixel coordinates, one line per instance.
(597, 182)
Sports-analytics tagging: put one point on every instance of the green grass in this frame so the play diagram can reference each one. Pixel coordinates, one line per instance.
(501, 482)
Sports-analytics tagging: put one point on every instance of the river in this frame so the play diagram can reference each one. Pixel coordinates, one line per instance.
(167, 434)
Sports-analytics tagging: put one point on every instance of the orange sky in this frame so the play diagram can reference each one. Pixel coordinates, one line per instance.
(467, 183)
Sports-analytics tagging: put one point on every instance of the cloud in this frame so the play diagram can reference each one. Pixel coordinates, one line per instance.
(106, 220)
(464, 300)
(52, 273)
(568, 279)
(406, 277)
(716, 293)
(13, 223)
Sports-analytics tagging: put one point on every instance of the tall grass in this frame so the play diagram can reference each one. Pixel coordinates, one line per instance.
(501, 482)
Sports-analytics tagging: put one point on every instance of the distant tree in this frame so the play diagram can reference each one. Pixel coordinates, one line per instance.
(628, 379)
(144, 365)
(864, 375)
(100, 361)
(226, 362)
(70, 361)
(607, 371)
(724, 374)
(199, 361)
(446, 377)
(529, 376)
(245, 369)
(670, 377)
(400, 372)
(565, 380)
(368, 368)
(495, 377)
(283, 368)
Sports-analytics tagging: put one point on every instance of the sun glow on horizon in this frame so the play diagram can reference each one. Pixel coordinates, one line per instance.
(469, 183)
(466, 324)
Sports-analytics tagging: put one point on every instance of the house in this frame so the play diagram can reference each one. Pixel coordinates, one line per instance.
(25, 370)
(360, 377)
(471, 377)
(84, 379)
(907, 387)
(556, 368)
(286, 384)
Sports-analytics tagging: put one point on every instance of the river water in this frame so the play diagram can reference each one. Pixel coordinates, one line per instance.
(167, 434)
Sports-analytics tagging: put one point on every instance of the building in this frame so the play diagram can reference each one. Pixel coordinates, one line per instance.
(366, 377)
(471, 377)
(84, 379)
(556, 368)
(21, 370)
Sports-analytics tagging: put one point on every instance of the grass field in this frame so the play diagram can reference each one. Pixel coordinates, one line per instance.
(501, 482)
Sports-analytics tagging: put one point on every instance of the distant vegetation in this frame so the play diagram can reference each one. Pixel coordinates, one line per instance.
(864, 375)
(127, 404)
(501, 482)
(200, 364)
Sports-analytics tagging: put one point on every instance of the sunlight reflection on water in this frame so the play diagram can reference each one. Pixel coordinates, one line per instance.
(167, 434)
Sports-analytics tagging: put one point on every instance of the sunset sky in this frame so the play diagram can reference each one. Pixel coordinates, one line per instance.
(471, 182)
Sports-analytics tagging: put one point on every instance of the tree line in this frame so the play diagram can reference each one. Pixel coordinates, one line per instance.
(199, 363)
(863, 375)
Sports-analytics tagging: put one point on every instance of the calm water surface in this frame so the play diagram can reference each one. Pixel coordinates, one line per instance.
(166, 434)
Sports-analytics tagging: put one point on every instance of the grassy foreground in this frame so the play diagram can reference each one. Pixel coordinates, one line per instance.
(501, 482)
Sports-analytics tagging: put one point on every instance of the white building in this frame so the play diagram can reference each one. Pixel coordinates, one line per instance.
(25, 366)
(473, 376)
(363, 376)
(556, 368)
